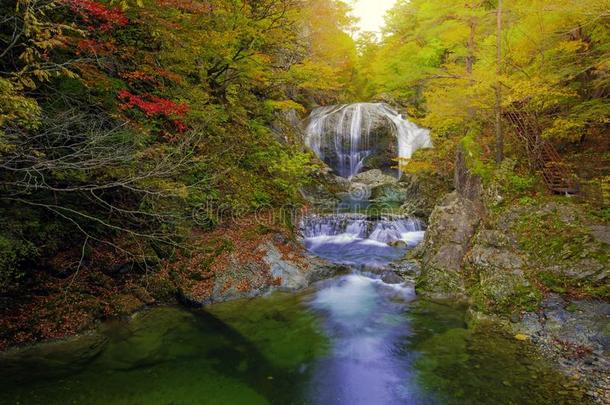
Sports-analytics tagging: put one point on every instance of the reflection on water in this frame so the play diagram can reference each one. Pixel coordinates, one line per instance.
(350, 340)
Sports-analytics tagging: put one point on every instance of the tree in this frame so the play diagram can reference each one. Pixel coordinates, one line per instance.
(499, 134)
(120, 119)
(459, 64)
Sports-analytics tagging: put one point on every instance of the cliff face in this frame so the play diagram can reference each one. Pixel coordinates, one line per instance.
(540, 266)
(451, 229)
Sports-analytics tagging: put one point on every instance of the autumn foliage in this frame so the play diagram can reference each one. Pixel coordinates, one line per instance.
(151, 105)
(120, 119)
(96, 15)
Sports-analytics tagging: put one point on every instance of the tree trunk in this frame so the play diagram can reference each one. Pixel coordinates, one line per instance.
(499, 133)
(472, 24)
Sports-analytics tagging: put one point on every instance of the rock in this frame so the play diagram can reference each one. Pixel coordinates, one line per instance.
(601, 233)
(586, 268)
(321, 270)
(319, 196)
(389, 193)
(584, 325)
(292, 278)
(407, 267)
(374, 178)
(529, 324)
(452, 225)
(271, 268)
(499, 267)
(390, 277)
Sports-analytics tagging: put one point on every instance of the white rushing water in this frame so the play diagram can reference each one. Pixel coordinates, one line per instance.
(344, 136)
(365, 319)
(357, 240)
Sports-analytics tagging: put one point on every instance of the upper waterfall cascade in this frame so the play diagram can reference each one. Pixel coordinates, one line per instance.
(345, 136)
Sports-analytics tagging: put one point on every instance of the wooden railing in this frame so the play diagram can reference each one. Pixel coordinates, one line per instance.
(543, 156)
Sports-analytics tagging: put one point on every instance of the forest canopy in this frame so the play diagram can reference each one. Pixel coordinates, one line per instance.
(120, 120)
(441, 59)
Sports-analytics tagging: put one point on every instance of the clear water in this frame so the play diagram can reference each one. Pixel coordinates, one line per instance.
(350, 340)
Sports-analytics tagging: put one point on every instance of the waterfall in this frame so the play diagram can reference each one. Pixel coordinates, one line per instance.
(356, 239)
(344, 136)
(356, 226)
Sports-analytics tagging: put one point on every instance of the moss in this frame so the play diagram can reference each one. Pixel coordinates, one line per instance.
(440, 281)
(602, 214)
(474, 157)
(551, 240)
(561, 284)
(559, 238)
(521, 298)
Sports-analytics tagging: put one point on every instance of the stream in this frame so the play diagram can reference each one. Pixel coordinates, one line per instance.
(353, 339)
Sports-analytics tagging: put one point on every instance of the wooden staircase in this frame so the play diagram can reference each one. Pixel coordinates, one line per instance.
(543, 156)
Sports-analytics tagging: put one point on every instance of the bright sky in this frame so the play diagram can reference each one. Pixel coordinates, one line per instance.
(371, 13)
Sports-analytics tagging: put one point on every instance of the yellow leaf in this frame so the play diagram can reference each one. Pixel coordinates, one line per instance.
(521, 336)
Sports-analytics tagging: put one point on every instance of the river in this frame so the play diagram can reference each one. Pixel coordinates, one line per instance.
(353, 339)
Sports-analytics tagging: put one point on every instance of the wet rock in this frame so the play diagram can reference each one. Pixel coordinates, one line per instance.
(579, 323)
(410, 268)
(530, 324)
(319, 196)
(376, 146)
(389, 193)
(575, 334)
(390, 277)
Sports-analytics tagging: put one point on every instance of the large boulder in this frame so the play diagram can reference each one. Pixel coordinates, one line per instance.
(325, 191)
(452, 225)
(247, 260)
(390, 193)
(296, 271)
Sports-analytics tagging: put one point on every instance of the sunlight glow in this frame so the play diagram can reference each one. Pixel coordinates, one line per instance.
(371, 13)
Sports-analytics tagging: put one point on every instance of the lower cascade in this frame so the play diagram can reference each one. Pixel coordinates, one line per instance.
(359, 240)
(349, 137)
